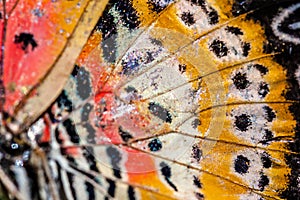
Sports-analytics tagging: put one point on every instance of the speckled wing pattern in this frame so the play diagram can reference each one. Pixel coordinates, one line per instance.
(174, 99)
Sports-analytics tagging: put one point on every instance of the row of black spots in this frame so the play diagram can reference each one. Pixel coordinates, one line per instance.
(160, 112)
(241, 82)
(243, 122)
(246, 47)
(208, 10)
(267, 137)
(220, 48)
(158, 5)
(266, 160)
(26, 40)
(167, 173)
(242, 165)
(262, 69)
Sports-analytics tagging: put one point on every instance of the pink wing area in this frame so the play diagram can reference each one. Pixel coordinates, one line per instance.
(35, 34)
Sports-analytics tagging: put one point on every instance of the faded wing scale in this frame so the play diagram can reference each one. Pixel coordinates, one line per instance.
(171, 100)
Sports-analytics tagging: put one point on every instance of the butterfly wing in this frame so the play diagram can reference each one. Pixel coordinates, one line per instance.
(179, 100)
(187, 100)
(42, 40)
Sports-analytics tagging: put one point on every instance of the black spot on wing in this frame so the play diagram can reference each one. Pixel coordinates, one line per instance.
(63, 102)
(262, 69)
(219, 48)
(187, 18)
(199, 196)
(213, 16)
(270, 114)
(246, 48)
(266, 160)
(83, 83)
(166, 172)
(240, 81)
(75, 70)
(263, 89)
(111, 188)
(71, 130)
(196, 123)
(268, 135)
(124, 135)
(182, 68)
(115, 159)
(196, 153)
(263, 182)
(131, 193)
(197, 182)
(242, 122)
(160, 112)
(241, 164)
(89, 155)
(234, 30)
(90, 190)
(85, 112)
(25, 39)
(155, 145)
